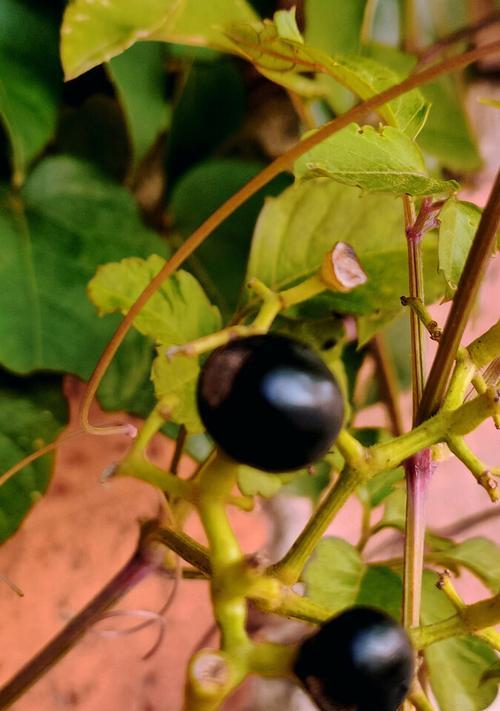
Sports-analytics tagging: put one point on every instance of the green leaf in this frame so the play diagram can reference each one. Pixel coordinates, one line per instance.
(458, 225)
(479, 555)
(456, 666)
(210, 109)
(333, 574)
(95, 32)
(140, 78)
(195, 197)
(175, 385)
(253, 482)
(66, 221)
(382, 588)
(201, 23)
(384, 160)
(336, 577)
(96, 133)
(285, 62)
(447, 133)
(178, 312)
(32, 413)
(30, 79)
(295, 230)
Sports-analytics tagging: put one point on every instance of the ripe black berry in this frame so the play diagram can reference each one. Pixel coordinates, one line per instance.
(270, 402)
(360, 660)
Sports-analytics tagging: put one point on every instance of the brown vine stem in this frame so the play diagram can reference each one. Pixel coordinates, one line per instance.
(280, 164)
(142, 562)
(463, 302)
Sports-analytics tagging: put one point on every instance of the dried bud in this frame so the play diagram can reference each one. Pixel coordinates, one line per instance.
(341, 269)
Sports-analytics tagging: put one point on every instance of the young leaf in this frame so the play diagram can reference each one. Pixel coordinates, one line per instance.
(252, 482)
(384, 160)
(456, 666)
(95, 32)
(201, 23)
(32, 413)
(30, 79)
(458, 225)
(66, 221)
(285, 61)
(295, 230)
(140, 78)
(175, 385)
(178, 312)
(447, 133)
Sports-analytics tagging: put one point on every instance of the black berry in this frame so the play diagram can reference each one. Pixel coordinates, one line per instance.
(270, 402)
(360, 660)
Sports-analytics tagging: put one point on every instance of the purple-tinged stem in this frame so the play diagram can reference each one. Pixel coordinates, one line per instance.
(418, 467)
(418, 474)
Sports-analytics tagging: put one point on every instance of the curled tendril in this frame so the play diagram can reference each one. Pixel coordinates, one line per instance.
(149, 617)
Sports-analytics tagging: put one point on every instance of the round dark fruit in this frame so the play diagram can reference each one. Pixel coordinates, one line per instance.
(269, 401)
(360, 660)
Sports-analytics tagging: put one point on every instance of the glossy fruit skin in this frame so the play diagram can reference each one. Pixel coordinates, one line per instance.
(270, 402)
(360, 660)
